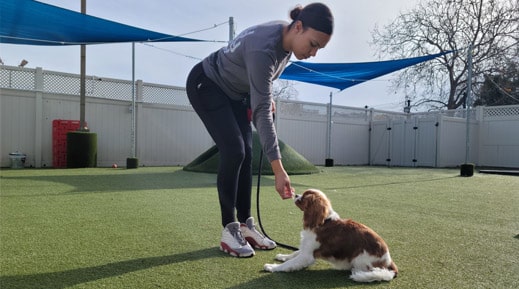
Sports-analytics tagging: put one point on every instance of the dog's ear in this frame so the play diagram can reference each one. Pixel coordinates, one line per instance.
(315, 211)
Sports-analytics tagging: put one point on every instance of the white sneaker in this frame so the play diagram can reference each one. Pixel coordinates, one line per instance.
(254, 237)
(233, 242)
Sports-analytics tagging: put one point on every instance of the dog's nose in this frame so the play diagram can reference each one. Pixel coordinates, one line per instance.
(297, 198)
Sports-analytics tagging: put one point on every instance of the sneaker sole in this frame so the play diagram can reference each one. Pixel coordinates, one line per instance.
(258, 246)
(226, 249)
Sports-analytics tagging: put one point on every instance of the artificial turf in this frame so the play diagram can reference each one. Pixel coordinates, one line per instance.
(159, 227)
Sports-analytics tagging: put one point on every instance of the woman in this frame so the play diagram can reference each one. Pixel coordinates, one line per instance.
(233, 86)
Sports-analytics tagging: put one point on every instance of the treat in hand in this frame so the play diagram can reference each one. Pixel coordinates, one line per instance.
(289, 193)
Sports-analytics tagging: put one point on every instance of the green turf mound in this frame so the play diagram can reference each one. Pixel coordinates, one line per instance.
(294, 163)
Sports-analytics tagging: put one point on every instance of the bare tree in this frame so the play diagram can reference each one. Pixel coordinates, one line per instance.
(284, 89)
(491, 27)
(501, 88)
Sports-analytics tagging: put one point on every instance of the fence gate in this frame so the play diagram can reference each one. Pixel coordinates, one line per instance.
(426, 144)
(404, 142)
(379, 146)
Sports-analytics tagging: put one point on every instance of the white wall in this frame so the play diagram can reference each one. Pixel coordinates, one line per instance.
(499, 137)
(452, 142)
(172, 134)
(167, 135)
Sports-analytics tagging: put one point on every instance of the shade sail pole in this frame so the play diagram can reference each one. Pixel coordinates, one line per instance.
(133, 138)
(328, 162)
(329, 128)
(467, 169)
(132, 162)
(231, 28)
(467, 103)
(82, 85)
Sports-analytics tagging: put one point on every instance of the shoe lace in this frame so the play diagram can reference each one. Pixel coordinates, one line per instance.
(239, 237)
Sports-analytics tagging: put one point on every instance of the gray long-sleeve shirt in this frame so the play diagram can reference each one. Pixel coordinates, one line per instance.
(247, 67)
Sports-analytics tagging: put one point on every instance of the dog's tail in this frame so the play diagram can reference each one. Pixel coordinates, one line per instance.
(376, 274)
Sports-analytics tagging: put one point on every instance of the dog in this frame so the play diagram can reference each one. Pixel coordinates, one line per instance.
(346, 244)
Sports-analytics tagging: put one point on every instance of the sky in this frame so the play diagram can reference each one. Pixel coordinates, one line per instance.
(169, 63)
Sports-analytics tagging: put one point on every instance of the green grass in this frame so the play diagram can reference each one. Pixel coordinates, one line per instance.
(159, 228)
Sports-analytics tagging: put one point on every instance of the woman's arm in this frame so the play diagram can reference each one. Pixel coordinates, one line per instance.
(282, 180)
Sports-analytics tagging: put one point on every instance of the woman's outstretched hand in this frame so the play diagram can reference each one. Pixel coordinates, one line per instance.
(282, 180)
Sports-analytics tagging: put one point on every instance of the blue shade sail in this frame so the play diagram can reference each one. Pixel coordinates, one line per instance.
(344, 75)
(35, 23)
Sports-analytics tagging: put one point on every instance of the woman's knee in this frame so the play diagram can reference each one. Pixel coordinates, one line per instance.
(234, 153)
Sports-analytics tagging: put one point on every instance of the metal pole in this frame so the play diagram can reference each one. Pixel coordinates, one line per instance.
(82, 88)
(329, 141)
(231, 29)
(133, 138)
(467, 104)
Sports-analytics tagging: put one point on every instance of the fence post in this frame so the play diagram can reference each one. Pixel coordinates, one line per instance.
(38, 135)
(479, 113)
(480, 119)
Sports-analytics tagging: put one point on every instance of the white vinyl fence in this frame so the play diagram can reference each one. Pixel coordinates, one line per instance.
(169, 133)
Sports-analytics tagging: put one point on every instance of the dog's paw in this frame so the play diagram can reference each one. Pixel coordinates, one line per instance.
(282, 257)
(270, 267)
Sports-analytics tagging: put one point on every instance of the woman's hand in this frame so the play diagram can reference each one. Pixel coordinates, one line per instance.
(282, 181)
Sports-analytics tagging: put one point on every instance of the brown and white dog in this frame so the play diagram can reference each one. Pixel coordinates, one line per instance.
(346, 244)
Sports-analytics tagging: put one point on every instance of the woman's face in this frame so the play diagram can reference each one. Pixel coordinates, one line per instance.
(307, 41)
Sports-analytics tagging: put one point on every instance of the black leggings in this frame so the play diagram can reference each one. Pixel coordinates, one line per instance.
(227, 122)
